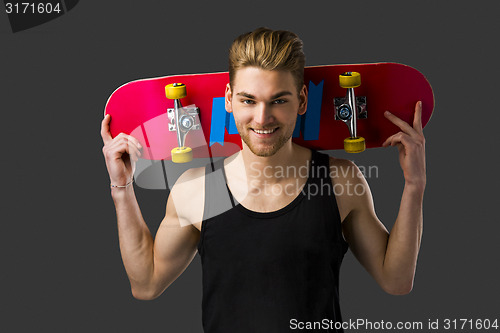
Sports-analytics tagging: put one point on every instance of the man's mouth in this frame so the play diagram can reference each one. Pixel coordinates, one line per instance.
(265, 131)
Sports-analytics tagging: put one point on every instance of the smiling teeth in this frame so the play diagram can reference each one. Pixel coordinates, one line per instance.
(264, 131)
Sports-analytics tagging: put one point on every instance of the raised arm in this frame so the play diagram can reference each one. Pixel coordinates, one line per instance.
(151, 265)
(390, 258)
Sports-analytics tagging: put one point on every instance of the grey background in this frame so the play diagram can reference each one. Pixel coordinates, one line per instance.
(61, 268)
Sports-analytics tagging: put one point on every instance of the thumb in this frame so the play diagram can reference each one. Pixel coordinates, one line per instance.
(105, 132)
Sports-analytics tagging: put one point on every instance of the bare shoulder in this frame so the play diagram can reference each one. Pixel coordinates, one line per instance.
(186, 200)
(190, 177)
(342, 170)
(350, 186)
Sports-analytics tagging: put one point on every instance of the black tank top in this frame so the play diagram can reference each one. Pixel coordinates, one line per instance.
(271, 272)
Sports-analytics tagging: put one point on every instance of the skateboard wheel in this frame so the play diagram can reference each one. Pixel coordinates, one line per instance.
(182, 155)
(354, 145)
(350, 80)
(175, 90)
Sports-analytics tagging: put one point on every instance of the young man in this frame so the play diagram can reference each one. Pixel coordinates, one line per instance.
(270, 246)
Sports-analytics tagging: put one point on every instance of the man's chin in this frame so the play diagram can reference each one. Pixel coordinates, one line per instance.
(263, 150)
(264, 153)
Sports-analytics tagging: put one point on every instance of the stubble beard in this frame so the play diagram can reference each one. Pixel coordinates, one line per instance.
(269, 150)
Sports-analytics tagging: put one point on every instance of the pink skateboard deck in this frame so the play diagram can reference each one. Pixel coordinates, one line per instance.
(140, 108)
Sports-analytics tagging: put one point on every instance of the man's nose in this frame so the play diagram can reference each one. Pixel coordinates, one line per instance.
(263, 114)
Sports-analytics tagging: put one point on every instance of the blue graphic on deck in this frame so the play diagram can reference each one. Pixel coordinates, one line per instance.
(307, 123)
(220, 121)
(230, 124)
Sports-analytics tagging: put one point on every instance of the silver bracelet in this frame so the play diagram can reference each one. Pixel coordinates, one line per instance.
(123, 186)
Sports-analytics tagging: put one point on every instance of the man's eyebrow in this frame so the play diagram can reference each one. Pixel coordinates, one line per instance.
(247, 95)
(281, 94)
(275, 96)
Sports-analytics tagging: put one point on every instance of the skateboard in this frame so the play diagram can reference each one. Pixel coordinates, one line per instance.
(182, 117)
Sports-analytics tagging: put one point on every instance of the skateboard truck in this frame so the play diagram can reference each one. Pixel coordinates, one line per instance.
(349, 109)
(181, 120)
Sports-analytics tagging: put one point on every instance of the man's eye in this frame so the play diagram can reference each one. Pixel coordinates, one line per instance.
(247, 101)
(279, 101)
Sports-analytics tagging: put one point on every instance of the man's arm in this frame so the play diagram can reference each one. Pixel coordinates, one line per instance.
(390, 258)
(151, 265)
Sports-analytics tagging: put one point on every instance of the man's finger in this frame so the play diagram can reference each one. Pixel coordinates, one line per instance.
(403, 125)
(417, 118)
(136, 142)
(105, 132)
(398, 138)
(387, 141)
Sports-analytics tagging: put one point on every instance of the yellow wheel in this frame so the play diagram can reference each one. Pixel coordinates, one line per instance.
(354, 145)
(175, 90)
(182, 155)
(350, 80)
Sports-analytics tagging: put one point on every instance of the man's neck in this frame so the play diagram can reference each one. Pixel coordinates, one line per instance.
(277, 168)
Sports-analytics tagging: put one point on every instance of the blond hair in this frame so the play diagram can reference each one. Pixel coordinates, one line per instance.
(269, 50)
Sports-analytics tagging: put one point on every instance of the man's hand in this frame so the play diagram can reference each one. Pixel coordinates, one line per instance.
(411, 145)
(120, 154)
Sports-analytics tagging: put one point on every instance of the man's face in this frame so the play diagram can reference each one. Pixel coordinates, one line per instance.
(265, 105)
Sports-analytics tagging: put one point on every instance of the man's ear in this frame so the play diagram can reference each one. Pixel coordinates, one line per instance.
(303, 100)
(228, 98)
